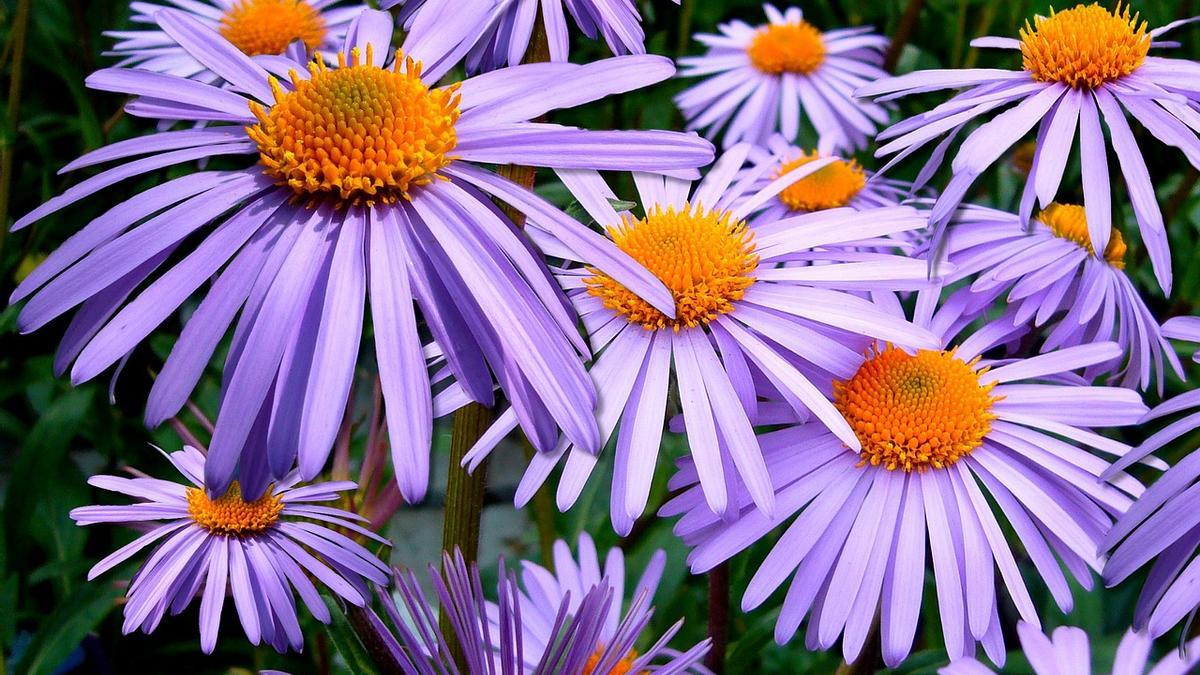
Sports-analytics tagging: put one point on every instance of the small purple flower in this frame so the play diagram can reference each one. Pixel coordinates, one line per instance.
(1053, 278)
(1164, 524)
(569, 621)
(1067, 651)
(1080, 66)
(505, 39)
(744, 326)
(263, 551)
(259, 28)
(760, 79)
(943, 435)
(378, 194)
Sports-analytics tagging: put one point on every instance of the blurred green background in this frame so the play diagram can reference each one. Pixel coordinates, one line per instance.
(52, 436)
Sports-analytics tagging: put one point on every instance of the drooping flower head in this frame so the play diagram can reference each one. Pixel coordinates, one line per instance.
(567, 621)
(506, 39)
(1067, 650)
(1079, 67)
(1163, 526)
(943, 434)
(762, 80)
(262, 551)
(360, 180)
(744, 325)
(1050, 276)
(258, 28)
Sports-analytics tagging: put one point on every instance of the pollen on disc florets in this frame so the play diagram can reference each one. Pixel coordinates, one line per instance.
(231, 515)
(705, 258)
(622, 667)
(1069, 221)
(787, 48)
(357, 133)
(261, 27)
(830, 187)
(1084, 46)
(916, 411)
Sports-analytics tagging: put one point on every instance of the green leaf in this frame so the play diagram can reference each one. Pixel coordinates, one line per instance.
(63, 630)
(346, 642)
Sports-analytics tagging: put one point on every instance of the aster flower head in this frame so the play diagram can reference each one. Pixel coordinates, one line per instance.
(360, 179)
(1050, 276)
(744, 325)
(841, 183)
(1162, 527)
(1080, 67)
(262, 551)
(568, 621)
(762, 79)
(943, 434)
(1066, 650)
(258, 28)
(506, 39)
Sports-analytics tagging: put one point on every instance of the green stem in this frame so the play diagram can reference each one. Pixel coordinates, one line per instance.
(20, 29)
(870, 658)
(686, 12)
(718, 618)
(543, 516)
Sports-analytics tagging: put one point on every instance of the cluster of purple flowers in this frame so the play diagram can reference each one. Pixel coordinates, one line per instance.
(893, 381)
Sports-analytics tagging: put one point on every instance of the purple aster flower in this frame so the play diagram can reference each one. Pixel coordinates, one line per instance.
(569, 621)
(262, 550)
(1053, 278)
(1067, 651)
(943, 434)
(761, 78)
(744, 325)
(1164, 525)
(505, 39)
(379, 194)
(1078, 66)
(259, 28)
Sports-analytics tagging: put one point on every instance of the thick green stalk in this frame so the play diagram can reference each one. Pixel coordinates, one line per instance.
(17, 40)
(904, 31)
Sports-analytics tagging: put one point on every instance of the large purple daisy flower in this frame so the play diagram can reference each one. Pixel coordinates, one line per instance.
(1053, 278)
(744, 324)
(943, 434)
(365, 182)
(261, 550)
(762, 78)
(505, 39)
(1079, 66)
(260, 28)
(1164, 525)
(569, 621)
(1067, 651)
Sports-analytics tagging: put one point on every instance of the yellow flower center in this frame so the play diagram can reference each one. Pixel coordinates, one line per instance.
(787, 48)
(1069, 221)
(1085, 46)
(912, 412)
(705, 258)
(623, 667)
(229, 514)
(829, 188)
(357, 132)
(268, 26)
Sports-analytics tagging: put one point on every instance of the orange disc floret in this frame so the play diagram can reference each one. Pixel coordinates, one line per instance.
(260, 27)
(832, 186)
(916, 411)
(1084, 46)
(357, 133)
(1069, 221)
(705, 258)
(622, 667)
(787, 48)
(231, 515)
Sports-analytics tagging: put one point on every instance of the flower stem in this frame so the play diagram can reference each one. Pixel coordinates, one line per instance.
(17, 37)
(869, 659)
(718, 618)
(686, 12)
(908, 23)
